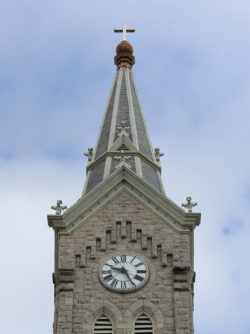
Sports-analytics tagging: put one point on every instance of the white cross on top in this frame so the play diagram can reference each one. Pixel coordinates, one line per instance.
(124, 30)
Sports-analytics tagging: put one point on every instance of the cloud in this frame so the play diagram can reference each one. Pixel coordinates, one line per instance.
(28, 189)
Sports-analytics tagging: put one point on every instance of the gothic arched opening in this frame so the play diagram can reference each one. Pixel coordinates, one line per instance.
(103, 325)
(143, 324)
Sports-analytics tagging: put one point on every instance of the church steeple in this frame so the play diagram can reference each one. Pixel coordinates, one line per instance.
(124, 251)
(123, 138)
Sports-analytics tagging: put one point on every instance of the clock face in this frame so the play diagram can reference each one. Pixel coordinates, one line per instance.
(124, 272)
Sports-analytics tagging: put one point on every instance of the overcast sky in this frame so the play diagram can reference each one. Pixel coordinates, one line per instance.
(193, 75)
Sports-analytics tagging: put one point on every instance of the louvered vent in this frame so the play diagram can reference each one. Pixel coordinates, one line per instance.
(143, 325)
(103, 325)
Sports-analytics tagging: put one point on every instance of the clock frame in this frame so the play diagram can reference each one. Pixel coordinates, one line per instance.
(124, 272)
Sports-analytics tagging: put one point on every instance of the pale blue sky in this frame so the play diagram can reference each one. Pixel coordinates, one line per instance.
(193, 75)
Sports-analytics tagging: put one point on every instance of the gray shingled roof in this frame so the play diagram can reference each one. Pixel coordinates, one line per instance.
(123, 138)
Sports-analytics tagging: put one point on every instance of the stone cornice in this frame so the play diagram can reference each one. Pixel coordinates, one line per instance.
(132, 151)
(123, 179)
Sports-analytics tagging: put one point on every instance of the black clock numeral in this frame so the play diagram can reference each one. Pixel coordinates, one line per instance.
(141, 271)
(115, 260)
(106, 272)
(123, 285)
(133, 283)
(123, 257)
(139, 264)
(132, 260)
(138, 278)
(114, 283)
(108, 278)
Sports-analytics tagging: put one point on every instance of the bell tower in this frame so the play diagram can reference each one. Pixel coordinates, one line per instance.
(124, 250)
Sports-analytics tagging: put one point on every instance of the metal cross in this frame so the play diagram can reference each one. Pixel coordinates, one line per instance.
(158, 154)
(189, 205)
(123, 129)
(89, 154)
(124, 30)
(59, 208)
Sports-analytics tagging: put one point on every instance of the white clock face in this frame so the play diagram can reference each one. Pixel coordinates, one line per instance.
(124, 272)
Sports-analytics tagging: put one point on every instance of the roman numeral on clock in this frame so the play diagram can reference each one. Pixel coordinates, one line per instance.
(138, 278)
(108, 278)
(132, 260)
(114, 283)
(123, 257)
(141, 271)
(123, 285)
(139, 264)
(106, 272)
(115, 260)
(133, 283)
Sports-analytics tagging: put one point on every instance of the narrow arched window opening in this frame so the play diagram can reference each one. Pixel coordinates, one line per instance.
(103, 325)
(143, 324)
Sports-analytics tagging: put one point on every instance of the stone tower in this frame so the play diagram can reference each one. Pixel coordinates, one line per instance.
(124, 250)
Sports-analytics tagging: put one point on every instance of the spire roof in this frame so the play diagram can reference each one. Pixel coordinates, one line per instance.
(123, 139)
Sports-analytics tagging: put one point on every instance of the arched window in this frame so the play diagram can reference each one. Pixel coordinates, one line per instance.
(143, 324)
(103, 325)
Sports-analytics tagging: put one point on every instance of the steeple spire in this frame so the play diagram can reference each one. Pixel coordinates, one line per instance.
(123, 140)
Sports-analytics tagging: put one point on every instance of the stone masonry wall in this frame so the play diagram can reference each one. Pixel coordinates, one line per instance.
(124, 225)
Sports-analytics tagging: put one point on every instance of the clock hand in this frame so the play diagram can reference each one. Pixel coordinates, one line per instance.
(124, 270)
(116, 274)
(114, 268)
